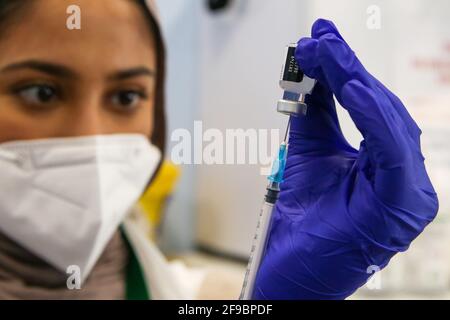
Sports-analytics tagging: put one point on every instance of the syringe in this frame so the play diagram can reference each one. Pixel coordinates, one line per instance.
(265, 217)
(296, 85)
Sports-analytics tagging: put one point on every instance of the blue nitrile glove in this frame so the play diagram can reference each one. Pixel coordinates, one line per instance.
(342, 210)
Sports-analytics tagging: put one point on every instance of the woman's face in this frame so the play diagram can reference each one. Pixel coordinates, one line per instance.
(56, 82)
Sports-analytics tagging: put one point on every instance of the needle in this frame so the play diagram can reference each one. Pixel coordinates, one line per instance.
(287, 131)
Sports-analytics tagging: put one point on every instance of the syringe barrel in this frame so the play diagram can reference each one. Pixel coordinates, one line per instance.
(258, 250)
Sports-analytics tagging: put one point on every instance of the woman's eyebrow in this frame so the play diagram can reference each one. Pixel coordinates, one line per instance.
(42, 66)
(65, 72)
(131, 73)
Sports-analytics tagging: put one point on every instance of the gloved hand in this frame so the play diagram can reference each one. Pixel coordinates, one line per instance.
(342, 210)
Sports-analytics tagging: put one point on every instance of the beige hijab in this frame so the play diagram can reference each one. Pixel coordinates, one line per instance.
(25, 276)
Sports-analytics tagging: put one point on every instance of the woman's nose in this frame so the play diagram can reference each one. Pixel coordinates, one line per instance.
(83, 120)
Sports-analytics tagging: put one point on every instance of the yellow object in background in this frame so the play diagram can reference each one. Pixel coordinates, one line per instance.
(154, 200)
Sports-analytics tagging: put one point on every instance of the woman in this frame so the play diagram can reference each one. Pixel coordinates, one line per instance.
(100, 80)
(82, 133)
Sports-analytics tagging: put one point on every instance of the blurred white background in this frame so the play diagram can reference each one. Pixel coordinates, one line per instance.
(223, 70)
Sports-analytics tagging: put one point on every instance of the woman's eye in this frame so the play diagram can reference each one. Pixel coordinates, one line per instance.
(127, 100)
(37, 94)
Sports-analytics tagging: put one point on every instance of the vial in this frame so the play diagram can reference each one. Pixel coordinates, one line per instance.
(295, 84)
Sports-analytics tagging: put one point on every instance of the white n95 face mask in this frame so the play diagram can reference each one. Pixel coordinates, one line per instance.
(64, 198)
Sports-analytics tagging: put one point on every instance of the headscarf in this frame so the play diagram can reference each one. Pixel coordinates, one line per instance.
(159, 132)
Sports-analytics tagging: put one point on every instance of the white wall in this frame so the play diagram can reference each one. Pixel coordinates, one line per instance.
(180, 26)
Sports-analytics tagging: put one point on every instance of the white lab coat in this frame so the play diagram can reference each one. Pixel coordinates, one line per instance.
(166, 280)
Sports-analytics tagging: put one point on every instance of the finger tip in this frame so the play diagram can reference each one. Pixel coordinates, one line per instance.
(323, 26)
